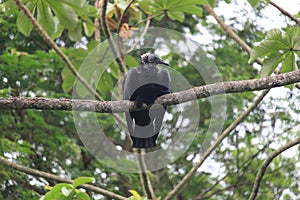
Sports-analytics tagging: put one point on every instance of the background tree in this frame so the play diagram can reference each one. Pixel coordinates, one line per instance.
(41, 147)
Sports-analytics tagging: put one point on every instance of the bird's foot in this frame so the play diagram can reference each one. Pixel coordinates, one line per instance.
(138, 102)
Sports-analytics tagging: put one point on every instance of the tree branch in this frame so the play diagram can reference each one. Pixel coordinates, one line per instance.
(107, 34)
(286, 13)
(266, 163)
(45, 175)
(223, 135)
(123, 15)
(165, 100)
(53, 45)
(230, 32)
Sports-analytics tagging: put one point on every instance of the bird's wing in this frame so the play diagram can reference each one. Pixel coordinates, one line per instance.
(158, 110)
(165, 78)
(129, 86)
(130, 123)
(129, 83)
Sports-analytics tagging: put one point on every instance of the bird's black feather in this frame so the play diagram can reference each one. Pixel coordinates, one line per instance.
(144, 85)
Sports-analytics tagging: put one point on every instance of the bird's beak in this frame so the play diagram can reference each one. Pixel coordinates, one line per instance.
(164, 62)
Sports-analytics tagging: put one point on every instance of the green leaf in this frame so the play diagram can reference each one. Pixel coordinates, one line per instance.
(59, 29)
(131, 61)
(10, 7)
(270, 64)
(74, 3)
(106, 83)
(56, 192)
(176, 15)
(288, 63)
(75, 34)
(293, 35)
(135, 194)
(180, 3)
(23, 24)
(114, 70)
(65, 14)
(253, 2)
(212, 3)
(147, 6)
(82, 196)
(88, 27)
(45, 17)
(68, 80)
(192, 9)
(175, 8)
(82, 180)
(273, 42)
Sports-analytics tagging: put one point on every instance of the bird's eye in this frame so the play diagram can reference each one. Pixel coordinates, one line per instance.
(151, 60)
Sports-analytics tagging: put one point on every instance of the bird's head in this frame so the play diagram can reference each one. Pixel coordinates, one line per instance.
(149, 58)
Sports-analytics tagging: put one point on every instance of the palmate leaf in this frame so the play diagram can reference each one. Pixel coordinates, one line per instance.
(75, 34)
(88, 27)
(175, 9)
(192, 9)
(23, 24)
(271, 63)
(45, 17)
(176, 15)
(293, 36)
(55, 16)
(278, 47)
(148, 6)
(65, 14)
(288, 63)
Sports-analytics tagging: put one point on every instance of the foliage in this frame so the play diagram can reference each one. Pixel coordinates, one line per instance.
(278, 48)
(175, 10)
(66, 191)
(47, 140)
(55, 16)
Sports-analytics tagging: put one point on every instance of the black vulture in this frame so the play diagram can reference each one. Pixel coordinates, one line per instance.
(143, 85)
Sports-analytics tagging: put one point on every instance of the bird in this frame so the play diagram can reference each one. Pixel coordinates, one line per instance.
(143, 85)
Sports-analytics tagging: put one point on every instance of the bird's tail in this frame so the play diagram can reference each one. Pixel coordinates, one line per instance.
(148, 142)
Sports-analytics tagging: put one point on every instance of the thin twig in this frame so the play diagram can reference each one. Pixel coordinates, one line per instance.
(145, 180)
(286, 13)
(230, 32)
(149, 18)
(123, 15)
(141, 36)
(53, 45)
(49, 176)
(107, 34)
(266, 163)
(202, 194)
(223, 135)
(244, 166)
(96, 23)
